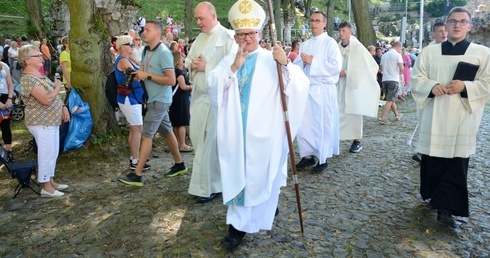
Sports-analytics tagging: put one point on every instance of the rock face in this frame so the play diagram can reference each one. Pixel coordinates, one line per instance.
(480, 32)
(117, 15)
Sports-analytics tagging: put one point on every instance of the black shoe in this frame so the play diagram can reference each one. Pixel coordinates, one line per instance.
(320, 168)
(177, 169)
(131, 179)
(355, 147)
(304, 163)
(444, 216)
(133, 166)
(417, 157)
(207, 199)
(233, 239)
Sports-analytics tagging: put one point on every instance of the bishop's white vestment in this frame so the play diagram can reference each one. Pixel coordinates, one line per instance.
(253, 159)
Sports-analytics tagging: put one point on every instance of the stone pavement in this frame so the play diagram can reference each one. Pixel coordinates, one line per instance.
(366, 205)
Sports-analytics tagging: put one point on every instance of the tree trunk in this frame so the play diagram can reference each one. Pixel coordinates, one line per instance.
(36, 16)
(330, 16)
(277, 18)
(307, 9)
(188, 20)
(89, 44)
(364, 25)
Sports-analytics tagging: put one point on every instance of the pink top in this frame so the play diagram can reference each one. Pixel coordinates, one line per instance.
(407, 63)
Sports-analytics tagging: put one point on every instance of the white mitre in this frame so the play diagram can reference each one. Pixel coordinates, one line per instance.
(246, 15)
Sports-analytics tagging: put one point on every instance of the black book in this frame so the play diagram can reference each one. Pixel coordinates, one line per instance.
(465, 71)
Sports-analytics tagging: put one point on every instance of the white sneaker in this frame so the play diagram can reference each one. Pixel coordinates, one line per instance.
(61, 187)
(56, 193)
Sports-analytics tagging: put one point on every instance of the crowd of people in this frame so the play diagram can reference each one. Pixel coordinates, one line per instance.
(224, 86)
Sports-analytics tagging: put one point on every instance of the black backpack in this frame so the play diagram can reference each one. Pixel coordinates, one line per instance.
(6, 55)
(111, 89)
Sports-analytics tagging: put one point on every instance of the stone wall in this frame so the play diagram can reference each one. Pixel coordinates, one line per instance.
(117, 17)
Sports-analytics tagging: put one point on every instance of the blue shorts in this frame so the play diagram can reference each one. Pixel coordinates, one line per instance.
(157, 119)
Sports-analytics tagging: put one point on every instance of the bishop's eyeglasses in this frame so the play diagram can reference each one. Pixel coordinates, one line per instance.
(249, 34)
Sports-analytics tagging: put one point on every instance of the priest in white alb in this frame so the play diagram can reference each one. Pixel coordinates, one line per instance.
(357, 89)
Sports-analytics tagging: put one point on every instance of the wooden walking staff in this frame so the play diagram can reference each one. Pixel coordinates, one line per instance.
(286, 117)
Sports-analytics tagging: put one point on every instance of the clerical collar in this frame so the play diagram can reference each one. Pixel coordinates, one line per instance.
(344, 46)
(448, 49)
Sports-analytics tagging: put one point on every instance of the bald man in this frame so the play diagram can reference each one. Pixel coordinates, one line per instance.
(214, 43)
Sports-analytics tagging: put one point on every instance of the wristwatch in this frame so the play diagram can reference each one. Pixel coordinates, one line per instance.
(149, 77)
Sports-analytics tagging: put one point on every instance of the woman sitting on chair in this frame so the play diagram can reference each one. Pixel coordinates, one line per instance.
(43, 114)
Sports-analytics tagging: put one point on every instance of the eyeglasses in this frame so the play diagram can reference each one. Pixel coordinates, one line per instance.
(316, 21)
(128, 44)
(40, 55)
(462, 22)
(249, 34)
(137, 39)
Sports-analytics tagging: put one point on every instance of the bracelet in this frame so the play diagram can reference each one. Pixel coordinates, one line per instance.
(9, 98)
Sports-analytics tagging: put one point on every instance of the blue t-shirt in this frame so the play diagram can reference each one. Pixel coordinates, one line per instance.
(157, 61)
(135, 98)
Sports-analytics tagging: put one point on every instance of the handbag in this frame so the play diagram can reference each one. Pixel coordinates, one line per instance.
(4, 114)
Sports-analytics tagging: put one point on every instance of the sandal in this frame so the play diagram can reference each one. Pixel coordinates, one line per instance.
(186, 148)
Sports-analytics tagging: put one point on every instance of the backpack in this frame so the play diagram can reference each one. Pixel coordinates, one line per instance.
(111, 89)
(6, 55)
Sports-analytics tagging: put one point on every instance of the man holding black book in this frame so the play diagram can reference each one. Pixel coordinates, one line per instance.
(450, 109)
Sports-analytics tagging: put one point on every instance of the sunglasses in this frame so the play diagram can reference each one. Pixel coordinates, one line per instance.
(137, 39)
(128, 44)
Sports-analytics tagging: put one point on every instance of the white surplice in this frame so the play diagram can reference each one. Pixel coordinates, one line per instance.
(259, 169)
(212, 46)
(449, 123)
(319, 131)
(358, 91)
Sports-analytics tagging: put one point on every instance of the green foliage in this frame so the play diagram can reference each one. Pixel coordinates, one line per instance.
(437, 8)
(99, 25)
(101, 139)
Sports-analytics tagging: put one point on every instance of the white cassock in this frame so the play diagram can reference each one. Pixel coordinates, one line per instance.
(255, 168)
(213, 46)
(319, 131)
(449, 123)
(358, 91)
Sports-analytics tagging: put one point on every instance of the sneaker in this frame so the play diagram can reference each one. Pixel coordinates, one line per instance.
(320, 168)
(133, 166)
(305, 162)
(382, 121)
(355, 147)
(131, 179)
(399, 117)
(177, 169)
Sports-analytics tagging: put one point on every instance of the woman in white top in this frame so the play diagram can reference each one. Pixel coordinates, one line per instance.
(6, 94)
(13, 53)
(137, 50)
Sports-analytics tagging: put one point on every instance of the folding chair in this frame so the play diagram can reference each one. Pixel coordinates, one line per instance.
(22, 171)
